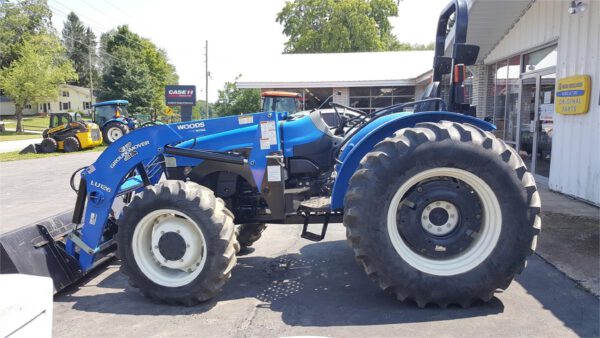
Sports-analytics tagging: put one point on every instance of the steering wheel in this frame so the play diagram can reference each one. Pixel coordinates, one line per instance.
(345, 122)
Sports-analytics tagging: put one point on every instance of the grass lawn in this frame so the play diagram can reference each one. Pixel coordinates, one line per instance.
(29, 123)
(14, 155)
(10, 135)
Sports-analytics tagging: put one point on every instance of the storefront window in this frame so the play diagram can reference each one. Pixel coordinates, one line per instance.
(539, 59)
(501, 74)
(512, 99)
(369, 99)
(506, 98)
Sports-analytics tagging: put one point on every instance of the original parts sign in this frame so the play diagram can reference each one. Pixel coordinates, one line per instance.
(180, 95)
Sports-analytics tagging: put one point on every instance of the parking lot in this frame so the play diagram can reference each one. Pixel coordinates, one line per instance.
(287, 286)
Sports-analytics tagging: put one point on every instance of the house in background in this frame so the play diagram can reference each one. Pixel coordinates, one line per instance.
(70, 98)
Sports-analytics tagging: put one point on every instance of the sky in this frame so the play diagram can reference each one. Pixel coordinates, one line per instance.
(240, 33)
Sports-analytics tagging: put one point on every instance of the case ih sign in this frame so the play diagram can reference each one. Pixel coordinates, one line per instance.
(180, 95)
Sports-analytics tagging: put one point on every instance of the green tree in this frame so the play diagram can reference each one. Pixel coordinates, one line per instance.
(18, 21)
(37, 72)
(80, 43)
(324, 26)
(133, 68)
(127, 77)
(199, 110)
(235, 101)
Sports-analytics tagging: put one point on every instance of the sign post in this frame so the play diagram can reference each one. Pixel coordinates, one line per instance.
(183, 96)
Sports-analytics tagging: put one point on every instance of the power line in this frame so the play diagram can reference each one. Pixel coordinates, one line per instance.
(83, 16)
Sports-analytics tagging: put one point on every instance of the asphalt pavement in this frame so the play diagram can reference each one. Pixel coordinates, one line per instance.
(38, 188)
(286, 287)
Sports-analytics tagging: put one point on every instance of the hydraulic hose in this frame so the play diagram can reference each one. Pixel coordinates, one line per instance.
(72, 180)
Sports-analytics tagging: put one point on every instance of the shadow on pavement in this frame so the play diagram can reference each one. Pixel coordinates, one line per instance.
(577, 309)
(321, 286)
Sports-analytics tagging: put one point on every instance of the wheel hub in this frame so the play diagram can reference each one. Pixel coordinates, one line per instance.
(449, 214)
(172, 246)
(439, 218)
(176, 244)
(114, 133)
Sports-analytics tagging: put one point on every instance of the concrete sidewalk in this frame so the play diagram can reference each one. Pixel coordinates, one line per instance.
(570, 238)
(8, 146)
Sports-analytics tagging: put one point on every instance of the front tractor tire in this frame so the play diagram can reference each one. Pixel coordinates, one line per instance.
(442, 213)
(114, 131)
(176, 242)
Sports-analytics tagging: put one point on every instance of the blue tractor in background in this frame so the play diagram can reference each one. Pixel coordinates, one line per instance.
(437, 210)
(113, 119)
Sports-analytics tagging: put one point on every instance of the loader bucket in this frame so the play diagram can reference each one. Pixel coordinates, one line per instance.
(38, 249)
(30, 149)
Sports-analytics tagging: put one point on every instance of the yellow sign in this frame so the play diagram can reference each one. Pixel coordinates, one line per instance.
(168, 111)
(573, 95)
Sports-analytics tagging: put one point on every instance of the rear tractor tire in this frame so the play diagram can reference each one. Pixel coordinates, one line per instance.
(114, 131)
(249, 233)
(48, 145)
(71, 144)
(176, 242)
(460, 214)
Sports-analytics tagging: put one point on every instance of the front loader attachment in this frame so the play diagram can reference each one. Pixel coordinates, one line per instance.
(38, 249)
(31, 149)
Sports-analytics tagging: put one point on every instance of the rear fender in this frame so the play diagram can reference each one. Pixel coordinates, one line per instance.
(118, 120)
(352, 156)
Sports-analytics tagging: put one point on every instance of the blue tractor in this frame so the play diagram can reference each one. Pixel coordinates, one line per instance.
(436, 208)
(113, 119)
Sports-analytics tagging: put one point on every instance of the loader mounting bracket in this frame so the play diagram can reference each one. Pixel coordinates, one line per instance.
(68, 264)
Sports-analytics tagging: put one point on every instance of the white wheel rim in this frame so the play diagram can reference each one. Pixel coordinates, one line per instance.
(481, 247)
(114, 134)
(148, 257)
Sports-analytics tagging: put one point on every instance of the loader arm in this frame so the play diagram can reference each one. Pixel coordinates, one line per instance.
(138, 159)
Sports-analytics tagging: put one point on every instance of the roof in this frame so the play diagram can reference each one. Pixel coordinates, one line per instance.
(111, 103)
(489, 22)
(338, 70)
(82, 90)
(280, 94)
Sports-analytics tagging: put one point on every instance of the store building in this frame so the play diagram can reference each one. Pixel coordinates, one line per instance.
(363, 80)
(538, 64)
(529, 51)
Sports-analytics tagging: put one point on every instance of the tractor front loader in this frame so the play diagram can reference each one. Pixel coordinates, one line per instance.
(436, 208)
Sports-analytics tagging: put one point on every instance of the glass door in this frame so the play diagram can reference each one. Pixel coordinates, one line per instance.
(527, 118)
(536, 118)
(544, 124)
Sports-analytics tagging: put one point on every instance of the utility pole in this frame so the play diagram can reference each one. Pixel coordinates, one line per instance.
(91, 78)
(206, 74)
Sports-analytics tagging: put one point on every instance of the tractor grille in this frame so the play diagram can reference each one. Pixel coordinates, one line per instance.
(95, 134)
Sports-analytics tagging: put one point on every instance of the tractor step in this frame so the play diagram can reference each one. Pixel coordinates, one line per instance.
(315, 206)
(312, 236)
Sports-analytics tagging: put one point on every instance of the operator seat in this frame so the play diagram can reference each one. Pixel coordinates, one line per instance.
(431, 91)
